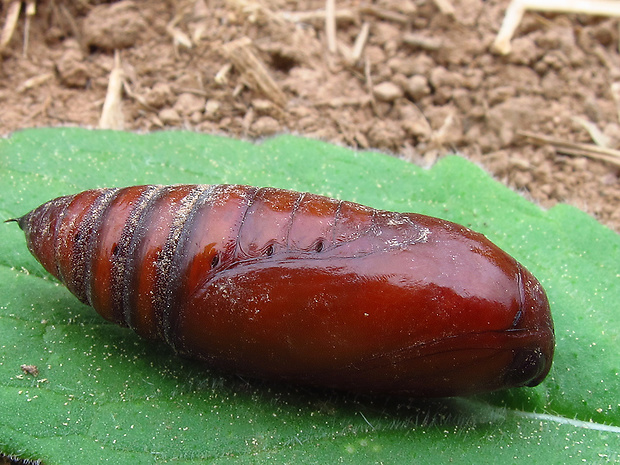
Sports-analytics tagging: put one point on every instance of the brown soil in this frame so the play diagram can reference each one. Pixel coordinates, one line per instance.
(426, 82)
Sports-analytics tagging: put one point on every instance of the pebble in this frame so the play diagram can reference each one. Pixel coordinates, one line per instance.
(169, 116)
(387, 91)
(188, 103)
(113, 26)
(441, 77)
(159, 95)
(265, 126)
(72, 69)
(417, 87)
(212, 108)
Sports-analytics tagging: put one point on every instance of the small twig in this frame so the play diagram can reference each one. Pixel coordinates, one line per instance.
(34, 81)
(76, 31)
(179, 38)
(138, 98)
(611, 156)
(191, 90)
(112, 112)
(517, 8)
(31, 10)
(199, 18)
(237, 90)
(438, 138)
(339, 102)
(597, 136)
(382, 13)
(343, 15)
(221, 77)
(445, 7)
(369, 86)
(360, 43)
(255, 11)
(12, 15)
(330, 25)
(422, 42)
(253, 70)
(345, 51)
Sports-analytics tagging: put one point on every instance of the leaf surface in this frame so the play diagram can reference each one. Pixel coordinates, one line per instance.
(105, 395)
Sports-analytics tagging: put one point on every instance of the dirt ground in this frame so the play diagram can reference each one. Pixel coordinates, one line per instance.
(423, 83)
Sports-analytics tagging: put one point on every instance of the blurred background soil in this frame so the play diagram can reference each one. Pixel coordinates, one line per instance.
(414, 78)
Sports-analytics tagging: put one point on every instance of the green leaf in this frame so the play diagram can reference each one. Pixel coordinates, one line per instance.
(105, 395)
